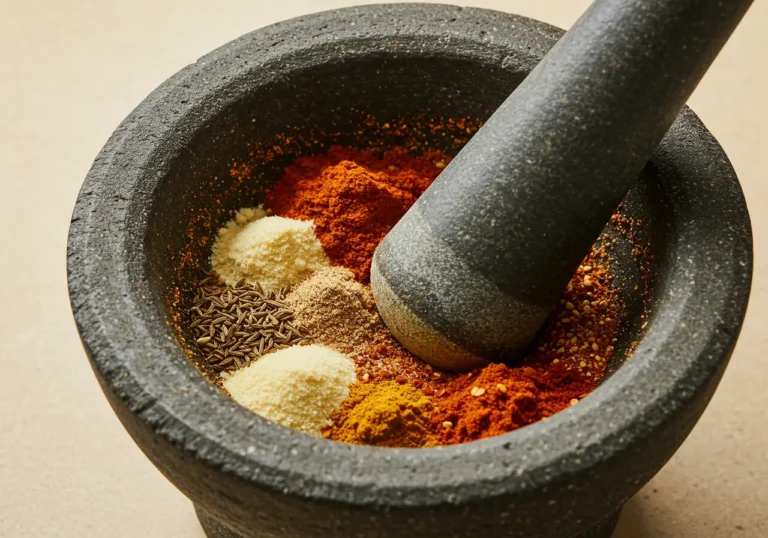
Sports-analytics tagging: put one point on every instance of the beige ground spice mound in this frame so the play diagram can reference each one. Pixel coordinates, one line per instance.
(335, 309)
(297, 387)
(274, 251)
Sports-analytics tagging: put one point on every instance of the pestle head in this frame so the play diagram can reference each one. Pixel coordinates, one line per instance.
(442, 308)
(473, 269)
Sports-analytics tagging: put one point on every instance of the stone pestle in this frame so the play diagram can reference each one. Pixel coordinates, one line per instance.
(474, 268)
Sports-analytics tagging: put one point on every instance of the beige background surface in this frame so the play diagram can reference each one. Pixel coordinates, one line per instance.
(70, 71)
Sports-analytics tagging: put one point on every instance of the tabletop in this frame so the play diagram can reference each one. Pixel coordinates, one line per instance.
(70, 71)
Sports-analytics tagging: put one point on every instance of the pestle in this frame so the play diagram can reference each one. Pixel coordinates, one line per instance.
(474, 268)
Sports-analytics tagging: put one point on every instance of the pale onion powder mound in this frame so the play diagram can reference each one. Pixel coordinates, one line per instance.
(298, 387)
(335, 309)
(274, 251)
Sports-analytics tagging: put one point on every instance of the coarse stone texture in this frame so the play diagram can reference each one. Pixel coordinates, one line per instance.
(554, 479)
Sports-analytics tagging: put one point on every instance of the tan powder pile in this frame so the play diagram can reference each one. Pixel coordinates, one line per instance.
(335, 309)
(274, 251)
(298, 387)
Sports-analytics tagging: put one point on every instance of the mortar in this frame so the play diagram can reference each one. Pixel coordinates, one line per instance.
(162, 185)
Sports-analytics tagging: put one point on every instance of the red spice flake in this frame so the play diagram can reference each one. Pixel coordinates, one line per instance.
(580, 333)
(240, 172)
(634, 233)
(353, 197)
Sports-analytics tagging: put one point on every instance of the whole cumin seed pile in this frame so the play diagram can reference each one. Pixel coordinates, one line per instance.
(238, 324)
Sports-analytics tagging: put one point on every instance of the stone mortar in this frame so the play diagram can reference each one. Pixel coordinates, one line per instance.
(564, 477)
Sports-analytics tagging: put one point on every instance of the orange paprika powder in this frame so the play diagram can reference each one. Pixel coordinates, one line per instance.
(353, 197)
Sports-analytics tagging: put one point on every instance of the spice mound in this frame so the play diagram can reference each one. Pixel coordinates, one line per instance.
(497, 399)
(235, 325)
(384, 414)
(298, 387)
(275, 252)
(354, 198)
(336, 309)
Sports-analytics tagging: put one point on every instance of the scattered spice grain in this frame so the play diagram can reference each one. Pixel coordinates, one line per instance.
(385, 358)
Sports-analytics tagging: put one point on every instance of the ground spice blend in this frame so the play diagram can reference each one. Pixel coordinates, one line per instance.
(395, 399)
(570, 358)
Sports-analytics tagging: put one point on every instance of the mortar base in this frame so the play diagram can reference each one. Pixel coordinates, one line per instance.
(214, 529)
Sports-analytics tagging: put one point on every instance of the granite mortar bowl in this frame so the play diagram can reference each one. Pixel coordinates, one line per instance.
(167, 178)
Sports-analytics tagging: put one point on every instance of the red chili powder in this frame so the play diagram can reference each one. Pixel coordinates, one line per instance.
(354, 198)
(497, 399)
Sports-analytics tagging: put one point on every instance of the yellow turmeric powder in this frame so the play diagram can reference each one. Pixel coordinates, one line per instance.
(382, 414)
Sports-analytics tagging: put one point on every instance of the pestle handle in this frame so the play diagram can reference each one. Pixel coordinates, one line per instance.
(477, 264)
